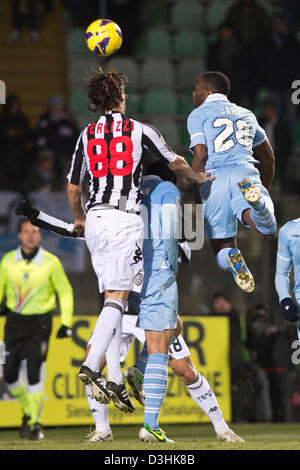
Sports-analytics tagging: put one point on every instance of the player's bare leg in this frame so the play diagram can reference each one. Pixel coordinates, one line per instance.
(248, 220)
(230, 258)
(199, 387)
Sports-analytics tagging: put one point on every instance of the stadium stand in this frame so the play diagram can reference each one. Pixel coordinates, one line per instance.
(156, 41)
(34, 71)
(187, 14)
(163, 101)
(157, 72)
(128, 66)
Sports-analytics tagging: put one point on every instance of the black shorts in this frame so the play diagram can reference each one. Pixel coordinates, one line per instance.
(27, 335)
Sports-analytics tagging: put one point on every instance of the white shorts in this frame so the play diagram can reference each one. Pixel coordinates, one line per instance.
(179, 349)
(129, 333)
(115, 241)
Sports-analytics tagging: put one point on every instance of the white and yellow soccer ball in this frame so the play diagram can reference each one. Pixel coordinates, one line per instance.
(104, 37)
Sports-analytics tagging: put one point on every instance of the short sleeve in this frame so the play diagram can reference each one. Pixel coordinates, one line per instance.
(195, 129)
(78, 164)
(260, 135)
(153, 140)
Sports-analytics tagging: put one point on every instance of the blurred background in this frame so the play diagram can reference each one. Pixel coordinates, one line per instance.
(166, 45)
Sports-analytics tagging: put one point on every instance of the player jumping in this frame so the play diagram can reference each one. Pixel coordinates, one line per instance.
(224, 137)
(179, 355)
(111, 151)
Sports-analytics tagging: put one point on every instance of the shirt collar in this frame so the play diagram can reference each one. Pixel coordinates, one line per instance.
(153, 177)
(38, 259)
(216, 97)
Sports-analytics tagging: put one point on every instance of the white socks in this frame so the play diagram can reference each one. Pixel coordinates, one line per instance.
(205, 398)
(113, 355)
(105, 331)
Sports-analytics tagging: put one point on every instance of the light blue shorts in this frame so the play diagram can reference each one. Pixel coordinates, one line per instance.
(223, 200)
(157, 304)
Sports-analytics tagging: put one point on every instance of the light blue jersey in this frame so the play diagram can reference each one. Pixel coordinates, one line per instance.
(288, 255)
(160, 250)
(157, 304)
(229, 132)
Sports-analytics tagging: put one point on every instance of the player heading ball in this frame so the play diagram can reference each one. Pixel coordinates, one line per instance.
(111, 150)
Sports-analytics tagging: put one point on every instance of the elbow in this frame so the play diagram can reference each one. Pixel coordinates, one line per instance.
(73, 189)
(178, 164)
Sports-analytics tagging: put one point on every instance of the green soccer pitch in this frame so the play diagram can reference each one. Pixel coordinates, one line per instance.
(263, 436)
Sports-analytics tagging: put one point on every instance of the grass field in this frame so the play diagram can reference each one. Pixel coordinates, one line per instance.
(188, 437)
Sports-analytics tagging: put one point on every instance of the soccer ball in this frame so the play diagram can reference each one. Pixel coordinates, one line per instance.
(103, 37)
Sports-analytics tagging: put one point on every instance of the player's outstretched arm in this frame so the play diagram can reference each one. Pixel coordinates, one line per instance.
(182, 168)
(42, 220)
(153, 140)
(264, 153)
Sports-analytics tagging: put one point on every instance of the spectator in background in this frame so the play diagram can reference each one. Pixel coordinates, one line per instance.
(17, 20)
(277, 65)
(291, 13)
(222, 306)
(278, 367)
(121, 12)
(281, 140)
(58, 132)
(15, 140)
(82, 12)
(270, 347)
(256, 327)
(226, 54)
(42, 176)
(249, 19)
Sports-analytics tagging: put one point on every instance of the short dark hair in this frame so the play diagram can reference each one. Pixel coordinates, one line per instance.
(104, 89)
(21, 222)
(160, 169)
(218, 82)
(222, 293)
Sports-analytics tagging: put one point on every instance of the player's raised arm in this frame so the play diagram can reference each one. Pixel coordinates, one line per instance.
(47, 222)
(182, 168)
(264, 153)
(74, 190)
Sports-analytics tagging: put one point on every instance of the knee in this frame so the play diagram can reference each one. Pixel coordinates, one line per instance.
(10, 373)
(267, 236)
(178, 327)
(190, 376)
(33, 371)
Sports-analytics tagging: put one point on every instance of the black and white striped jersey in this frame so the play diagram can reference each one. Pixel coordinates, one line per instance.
(111, 151)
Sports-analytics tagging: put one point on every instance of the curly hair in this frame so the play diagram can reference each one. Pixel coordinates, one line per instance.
(105, 89)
